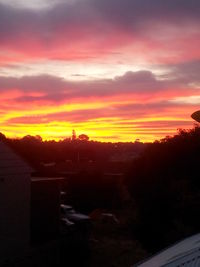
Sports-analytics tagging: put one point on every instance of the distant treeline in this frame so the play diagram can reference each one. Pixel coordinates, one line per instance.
(35, 150)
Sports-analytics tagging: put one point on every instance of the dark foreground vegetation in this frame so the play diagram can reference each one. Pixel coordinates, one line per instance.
(72, 150)
(165, 185)
(154, 192)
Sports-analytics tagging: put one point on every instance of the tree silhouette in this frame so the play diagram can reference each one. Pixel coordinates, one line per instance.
(83, 137)
(2, 137)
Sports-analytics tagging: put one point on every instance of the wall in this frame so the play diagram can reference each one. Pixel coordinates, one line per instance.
(14, 205)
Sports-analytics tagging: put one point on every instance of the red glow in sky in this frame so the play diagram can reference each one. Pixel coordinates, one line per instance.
(114, 70)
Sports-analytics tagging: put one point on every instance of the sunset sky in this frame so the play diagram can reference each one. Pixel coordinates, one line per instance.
(116, 70)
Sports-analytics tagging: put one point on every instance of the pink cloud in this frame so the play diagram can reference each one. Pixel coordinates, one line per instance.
(163, 33)
(89, 29)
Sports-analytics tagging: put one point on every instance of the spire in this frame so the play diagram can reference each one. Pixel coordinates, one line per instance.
(73, 135)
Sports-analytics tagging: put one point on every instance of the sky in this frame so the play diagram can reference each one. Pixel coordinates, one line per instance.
(116, 70)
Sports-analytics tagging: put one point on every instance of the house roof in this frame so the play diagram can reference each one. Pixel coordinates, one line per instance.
(11, 163)
(183, 253)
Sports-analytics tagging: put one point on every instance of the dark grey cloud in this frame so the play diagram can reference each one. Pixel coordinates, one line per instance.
(83, 19)
(187, 72)
(42, 83)
(56, 89)
(183, 77)
(128, 11)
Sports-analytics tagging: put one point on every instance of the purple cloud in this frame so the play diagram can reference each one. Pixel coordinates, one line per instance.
(54, 89)
(88, 25)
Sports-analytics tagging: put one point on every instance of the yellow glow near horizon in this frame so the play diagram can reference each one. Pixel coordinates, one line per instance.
(109, 124)
(103, 130)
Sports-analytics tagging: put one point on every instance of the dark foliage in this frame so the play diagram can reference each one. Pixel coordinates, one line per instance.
(36, 151)
(165, 184)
